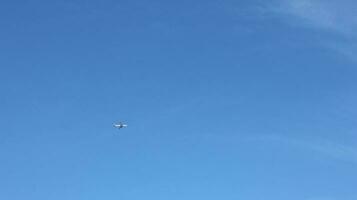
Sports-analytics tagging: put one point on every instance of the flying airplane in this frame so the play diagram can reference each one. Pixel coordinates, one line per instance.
(120, 125)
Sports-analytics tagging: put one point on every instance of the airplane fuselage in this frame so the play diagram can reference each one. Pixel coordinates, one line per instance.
(120, 125)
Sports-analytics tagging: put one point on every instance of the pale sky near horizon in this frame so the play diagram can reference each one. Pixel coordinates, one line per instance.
(251, 100)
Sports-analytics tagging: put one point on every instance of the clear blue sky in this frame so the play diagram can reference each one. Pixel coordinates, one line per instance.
(247, 99)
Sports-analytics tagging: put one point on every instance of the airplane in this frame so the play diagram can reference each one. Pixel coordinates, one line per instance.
(120, 125)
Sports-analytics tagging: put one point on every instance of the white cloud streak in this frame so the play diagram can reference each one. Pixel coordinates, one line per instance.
(334, 16)
(331, 149)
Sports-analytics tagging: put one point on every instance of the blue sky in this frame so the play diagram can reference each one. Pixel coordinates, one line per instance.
(250, 100)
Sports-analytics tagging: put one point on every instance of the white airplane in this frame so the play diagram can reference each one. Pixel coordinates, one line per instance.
(120, 125)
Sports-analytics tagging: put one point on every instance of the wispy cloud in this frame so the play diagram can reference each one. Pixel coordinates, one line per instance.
(328, 148)
(339, 16)
(334, 16)
(330, 198)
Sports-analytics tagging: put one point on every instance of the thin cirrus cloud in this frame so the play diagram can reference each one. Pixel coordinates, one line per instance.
(330, 149)
(338, 17)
